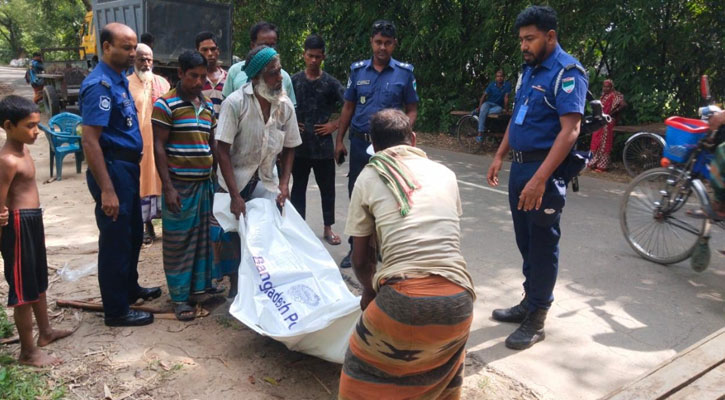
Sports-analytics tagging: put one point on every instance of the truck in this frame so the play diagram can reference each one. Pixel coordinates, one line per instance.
(173, 23)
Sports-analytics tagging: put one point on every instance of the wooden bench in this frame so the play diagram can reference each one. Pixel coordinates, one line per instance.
(658, 128)
(697, 372)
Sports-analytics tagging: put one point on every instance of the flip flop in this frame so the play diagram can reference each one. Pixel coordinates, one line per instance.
(181, 309)
(333, 239)
(216, 289)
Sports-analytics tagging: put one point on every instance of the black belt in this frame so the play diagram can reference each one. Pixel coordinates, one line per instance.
(360, 135)
(130, 156)
(523, 157)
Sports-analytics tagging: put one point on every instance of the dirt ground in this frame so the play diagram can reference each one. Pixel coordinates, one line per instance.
(212, 357)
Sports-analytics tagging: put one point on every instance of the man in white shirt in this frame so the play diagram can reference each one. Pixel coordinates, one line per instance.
(256, 124)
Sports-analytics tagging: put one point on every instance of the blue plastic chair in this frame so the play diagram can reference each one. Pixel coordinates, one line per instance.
(61, 144)
(65, 122)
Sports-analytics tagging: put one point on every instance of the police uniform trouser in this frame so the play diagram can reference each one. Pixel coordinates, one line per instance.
(358, 159)
(119, 242)
(537, 234)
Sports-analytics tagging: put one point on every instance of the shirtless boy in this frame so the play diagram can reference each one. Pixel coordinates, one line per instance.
(22, 240)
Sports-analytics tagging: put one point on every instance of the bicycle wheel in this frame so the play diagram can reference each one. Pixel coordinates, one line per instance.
(655, 219)
(467, 132)
(642, 151)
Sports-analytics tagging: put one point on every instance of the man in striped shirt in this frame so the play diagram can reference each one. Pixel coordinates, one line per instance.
(184, 124)
(216, 76)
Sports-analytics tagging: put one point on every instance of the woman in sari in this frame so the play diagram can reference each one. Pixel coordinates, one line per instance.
(602, 140)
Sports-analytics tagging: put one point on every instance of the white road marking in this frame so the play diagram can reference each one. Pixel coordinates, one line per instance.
(490, 189)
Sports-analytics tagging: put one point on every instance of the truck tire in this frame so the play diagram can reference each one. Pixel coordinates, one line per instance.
(51, 100)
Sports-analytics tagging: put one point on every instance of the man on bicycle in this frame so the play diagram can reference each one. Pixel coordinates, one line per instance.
(495, 99)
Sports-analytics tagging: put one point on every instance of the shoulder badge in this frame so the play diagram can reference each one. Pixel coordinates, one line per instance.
(358, 64)
(567, 84)
(104, 103)
(570, 82)
(105, 84)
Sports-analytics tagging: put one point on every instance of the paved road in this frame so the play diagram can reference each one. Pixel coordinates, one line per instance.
(615, 315)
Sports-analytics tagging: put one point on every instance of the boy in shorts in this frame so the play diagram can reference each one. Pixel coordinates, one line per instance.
(22, 240)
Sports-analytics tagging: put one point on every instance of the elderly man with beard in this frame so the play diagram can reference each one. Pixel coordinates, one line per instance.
(184, 123)
(256, 124)
(146, 87)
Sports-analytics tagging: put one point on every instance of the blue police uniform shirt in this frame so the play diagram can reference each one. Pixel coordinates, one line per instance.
(535, 124)
(372, 91)
(495, 94)
(106, 101)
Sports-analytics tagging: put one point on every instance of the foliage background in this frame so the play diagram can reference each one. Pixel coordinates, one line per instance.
(655, 50)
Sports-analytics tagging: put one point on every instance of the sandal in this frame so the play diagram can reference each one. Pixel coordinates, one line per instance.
(332, 239)
(216, 289)
(184, 312)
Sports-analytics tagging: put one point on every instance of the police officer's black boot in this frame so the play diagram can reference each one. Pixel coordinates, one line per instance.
(529, 332)
(515, 314)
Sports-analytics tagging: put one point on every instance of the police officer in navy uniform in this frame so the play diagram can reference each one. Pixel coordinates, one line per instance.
(375, 84)
(112, 143)
(550, 101)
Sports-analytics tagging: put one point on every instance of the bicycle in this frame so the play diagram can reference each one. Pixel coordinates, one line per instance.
(467, 132)
(642, 151)
(665, 213)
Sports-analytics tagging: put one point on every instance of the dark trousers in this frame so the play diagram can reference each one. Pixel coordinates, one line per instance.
(119, 242)
(324, 176)
(358, 159)
(537, 234)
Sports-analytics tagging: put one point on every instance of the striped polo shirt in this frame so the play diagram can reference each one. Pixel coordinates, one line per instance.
(187, 149)
(214, 92)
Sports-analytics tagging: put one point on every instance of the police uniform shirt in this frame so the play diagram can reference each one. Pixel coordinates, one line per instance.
(105, 101)
(372, 91)
(535, 121)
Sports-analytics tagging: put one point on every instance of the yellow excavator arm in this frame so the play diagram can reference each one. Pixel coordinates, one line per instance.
(88, 36)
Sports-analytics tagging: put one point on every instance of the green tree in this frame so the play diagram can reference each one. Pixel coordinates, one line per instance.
(13, 21)
(33, 24)
(654, 50)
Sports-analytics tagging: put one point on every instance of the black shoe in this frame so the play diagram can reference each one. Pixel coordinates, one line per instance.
(146, 294)
(529, 332)
(346, 262)
(516, 313)
(133, 318)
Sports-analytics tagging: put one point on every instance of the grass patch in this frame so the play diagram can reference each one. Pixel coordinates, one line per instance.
(22, 383)
(6, 327)
(229, 323)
